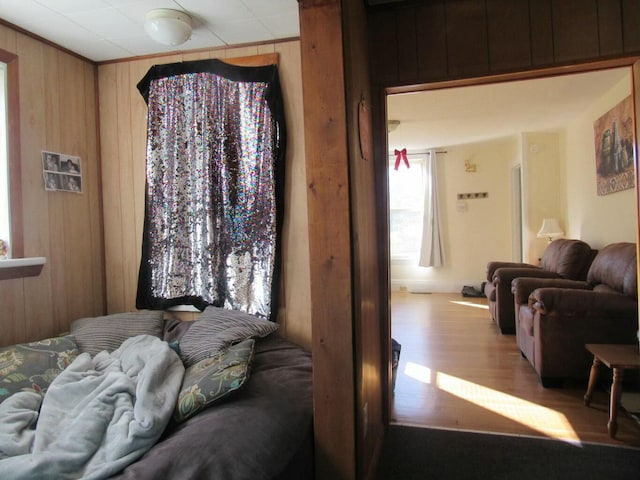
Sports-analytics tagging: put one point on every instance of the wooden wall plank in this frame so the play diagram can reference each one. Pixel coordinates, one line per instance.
(432, 41)
(575, 30)
(139, 161)
(408, 39)
(296, 290)
(541, 32)
(508, 35)
(76, 207)
(467, 43)
(111, 200)
(383, 56)
(93, 190)
(630, 30)
(130, 244)
(57, 232)
(609, 26)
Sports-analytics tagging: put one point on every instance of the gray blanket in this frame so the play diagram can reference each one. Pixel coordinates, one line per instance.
(98, 416)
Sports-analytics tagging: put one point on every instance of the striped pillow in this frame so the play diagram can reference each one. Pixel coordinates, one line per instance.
(107, 333)
(217, 329)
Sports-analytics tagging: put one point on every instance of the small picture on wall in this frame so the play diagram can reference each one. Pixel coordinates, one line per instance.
(613, 136)
(61, 172)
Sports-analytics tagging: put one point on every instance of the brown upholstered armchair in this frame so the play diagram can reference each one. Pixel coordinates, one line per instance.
(557, 317)
(563, 258)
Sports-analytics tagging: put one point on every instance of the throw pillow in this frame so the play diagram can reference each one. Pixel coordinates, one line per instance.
(96, 334)
(212, 379)
(33, 366)
(217, 329)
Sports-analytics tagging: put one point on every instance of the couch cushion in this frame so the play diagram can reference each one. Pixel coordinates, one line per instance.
(95, 334)
(217, 329)
(615, 266)
(33, 366)
(566, 257)
(211, 380)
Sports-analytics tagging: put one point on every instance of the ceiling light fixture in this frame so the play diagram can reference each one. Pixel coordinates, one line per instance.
(166, 26)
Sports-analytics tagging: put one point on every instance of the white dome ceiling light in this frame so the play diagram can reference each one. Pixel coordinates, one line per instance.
(166, 26)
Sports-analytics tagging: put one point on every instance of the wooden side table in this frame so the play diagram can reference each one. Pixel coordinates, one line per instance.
(618, 358)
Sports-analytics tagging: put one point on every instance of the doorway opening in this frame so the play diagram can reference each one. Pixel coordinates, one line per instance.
(486, 193)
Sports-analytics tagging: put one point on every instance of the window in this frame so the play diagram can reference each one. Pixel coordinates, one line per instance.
(406, 201)
(5, 226)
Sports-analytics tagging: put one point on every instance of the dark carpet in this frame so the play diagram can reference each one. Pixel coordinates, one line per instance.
(427, 453)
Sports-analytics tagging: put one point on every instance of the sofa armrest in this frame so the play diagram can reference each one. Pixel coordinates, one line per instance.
(493, 266)
(522, 287)
(583, 303)
(504, 276)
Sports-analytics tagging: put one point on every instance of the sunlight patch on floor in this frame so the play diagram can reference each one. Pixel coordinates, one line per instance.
(539, 418)
(471, 304)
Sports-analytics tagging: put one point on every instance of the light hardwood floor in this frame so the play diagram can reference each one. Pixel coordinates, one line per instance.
(457, 371)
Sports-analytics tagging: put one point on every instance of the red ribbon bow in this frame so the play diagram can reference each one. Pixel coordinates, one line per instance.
(401, 155)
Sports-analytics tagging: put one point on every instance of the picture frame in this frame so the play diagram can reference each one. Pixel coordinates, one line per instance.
(614, 140)
(61, 172)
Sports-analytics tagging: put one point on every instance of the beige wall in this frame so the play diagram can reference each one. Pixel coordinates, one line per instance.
(598, 220)
(57, 113)
(123, 140)
(542, 188)
(476, 231)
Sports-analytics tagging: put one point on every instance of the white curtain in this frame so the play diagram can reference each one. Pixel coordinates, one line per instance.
(431, 249)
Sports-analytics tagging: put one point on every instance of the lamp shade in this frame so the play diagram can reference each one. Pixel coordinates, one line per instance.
(166, 26)
(550, 229)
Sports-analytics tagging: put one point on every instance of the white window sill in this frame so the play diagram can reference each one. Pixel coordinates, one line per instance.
(21, 267)
(403, 260)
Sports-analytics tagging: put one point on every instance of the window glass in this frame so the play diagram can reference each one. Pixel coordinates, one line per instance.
(406, 199)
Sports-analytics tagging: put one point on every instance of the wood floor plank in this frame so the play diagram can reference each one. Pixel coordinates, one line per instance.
(458, 371)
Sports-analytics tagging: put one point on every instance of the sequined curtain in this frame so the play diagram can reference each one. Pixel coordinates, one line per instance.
(215, 154)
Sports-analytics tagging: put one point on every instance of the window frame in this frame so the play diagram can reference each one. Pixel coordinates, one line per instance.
(13, 154)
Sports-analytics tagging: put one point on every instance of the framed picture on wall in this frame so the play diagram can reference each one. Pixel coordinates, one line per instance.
(61, 172)
(613, 136)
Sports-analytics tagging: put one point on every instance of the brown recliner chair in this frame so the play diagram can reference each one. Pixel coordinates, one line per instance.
(563, 258)
(557, 317)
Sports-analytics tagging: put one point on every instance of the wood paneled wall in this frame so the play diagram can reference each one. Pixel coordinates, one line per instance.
(372, 341)
(123, 121)
(423, 42)
(57, 113)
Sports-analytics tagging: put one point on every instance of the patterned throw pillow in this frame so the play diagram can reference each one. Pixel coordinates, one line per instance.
(96, 334)
(212, 379)
(217, 329)
(33, 366)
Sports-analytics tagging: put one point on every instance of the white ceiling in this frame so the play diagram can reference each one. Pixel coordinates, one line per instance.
(103, 30)
(454, 116)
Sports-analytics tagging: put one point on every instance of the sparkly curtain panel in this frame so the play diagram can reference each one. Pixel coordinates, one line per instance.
(215, 154)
